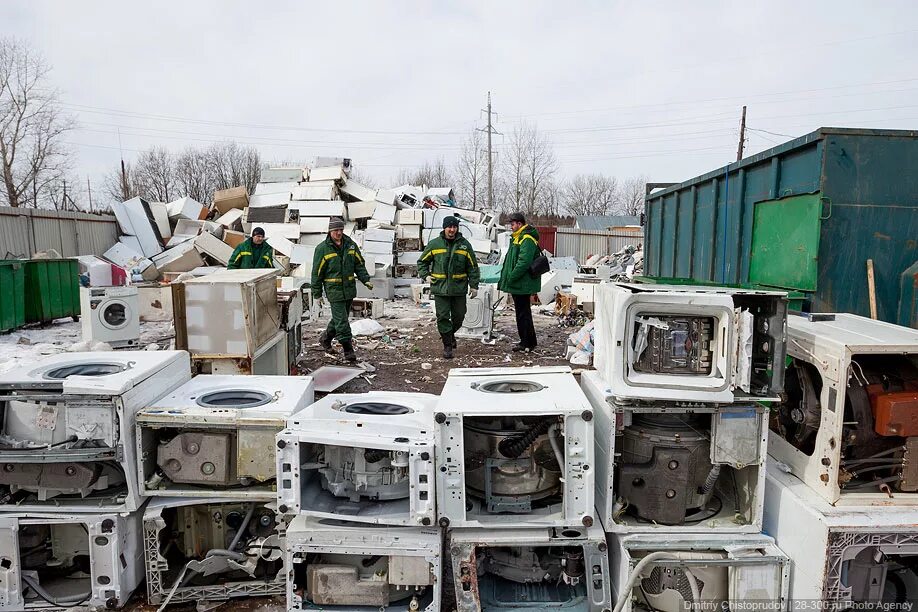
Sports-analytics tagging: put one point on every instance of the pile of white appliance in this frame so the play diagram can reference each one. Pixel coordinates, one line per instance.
(684, 377)
(841, 495)
(70, 503)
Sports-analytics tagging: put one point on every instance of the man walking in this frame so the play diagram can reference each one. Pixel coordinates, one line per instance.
(253, 252)
(516, 280)
(337, 260)
(449, 265)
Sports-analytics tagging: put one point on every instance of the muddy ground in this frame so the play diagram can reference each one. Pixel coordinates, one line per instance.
(408, 356)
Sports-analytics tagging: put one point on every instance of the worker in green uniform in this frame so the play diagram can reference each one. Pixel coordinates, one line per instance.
(335, 264)
(253, 252)
(516, 280)
(449, 265)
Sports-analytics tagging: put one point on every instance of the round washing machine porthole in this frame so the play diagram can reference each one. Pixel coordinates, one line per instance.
(85, 369)
(115, 314)
(509, 386)
(373, 408)
(234, 398)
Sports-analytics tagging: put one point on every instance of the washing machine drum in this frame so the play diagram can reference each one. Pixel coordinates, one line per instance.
(115, 314)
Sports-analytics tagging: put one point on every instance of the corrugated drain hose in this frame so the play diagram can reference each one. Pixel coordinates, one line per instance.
(655, 557)
(64, 602)
(515, 446)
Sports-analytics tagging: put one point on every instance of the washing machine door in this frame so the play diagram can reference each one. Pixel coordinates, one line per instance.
(115, 314)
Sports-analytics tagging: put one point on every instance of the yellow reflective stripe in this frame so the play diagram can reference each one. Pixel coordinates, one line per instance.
(426, 255)
(437, 251)
(466, 253)
(356, 254)
(530, 237)
(438, 275)
(241, 253)
(459, 275)
(266, 258)
(324, 259)
(332, 280)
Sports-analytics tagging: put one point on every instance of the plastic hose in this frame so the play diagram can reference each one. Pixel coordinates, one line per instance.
(650, 559)
(555, 446)
(696, 592)
(711, 480)
(515, 446)
(64, 602)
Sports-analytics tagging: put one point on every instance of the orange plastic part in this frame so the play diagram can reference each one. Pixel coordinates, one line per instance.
(896, 414)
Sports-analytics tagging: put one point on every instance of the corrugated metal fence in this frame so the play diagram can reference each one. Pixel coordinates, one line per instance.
(25, 231)
(572, 242)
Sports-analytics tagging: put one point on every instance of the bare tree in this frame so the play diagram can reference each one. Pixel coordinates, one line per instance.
(33, 154)
(154, 175)
(232, 165)
(161, 176)
(472, 172)
(631, 198)
(192, 175)
(528, 170)
(591, 194)
(429, 174)
(364, 179)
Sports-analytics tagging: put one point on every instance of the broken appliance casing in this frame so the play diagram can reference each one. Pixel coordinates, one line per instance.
(479, 315)
(323, 554)
(230, 314)
(685, 343)
(69, 401)
(833, 356)
(522, 486)
(109, 543)
(212, 436)
(211, 524)
(679, 460)
(729, 569)
(110, 315)
(530, 569)
(841, 554)
(271, 359)
(377, 453)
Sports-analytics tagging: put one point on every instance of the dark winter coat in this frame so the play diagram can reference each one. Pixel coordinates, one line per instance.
(514, 275)
(248, 255)
(451, 264)
(334, 269)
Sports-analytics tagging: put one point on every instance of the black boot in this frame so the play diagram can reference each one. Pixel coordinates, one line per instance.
(325, 338)
(349, 353)
(452, 339)
(447, 346)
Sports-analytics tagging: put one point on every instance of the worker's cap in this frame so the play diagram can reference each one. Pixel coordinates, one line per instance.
(450, 221)
(258, 232)
(335, 223)
(518, 217)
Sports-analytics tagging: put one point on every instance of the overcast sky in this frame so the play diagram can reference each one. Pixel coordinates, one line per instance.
(623, 88)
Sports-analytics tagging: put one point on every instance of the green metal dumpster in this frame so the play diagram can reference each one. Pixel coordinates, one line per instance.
(12, 294)
(52, 289)
(803, 216)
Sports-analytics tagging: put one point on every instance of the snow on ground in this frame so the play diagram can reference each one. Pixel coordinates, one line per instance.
(28, 345)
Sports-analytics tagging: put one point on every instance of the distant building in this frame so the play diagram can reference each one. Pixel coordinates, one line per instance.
(604, 222)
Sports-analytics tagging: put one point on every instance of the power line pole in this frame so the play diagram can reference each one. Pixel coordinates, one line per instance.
(742, 136)
(490, 130)
(89, 190)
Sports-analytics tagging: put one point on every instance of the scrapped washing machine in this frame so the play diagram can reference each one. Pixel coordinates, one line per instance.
(479, 316)
(686, 343)
(514, 448)
(341, 565)
(530, 569)
(65, 560)
(849, 424)
(366, 457)
(67, 428)
(207, 549)
(111, 315)
(847, 557)
(666, 573)
(671, 467)
(214, 435)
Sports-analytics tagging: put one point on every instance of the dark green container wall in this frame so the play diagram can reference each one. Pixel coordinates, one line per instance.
(12, 294)
(52, 289)
(871, 192)
(866, 180)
